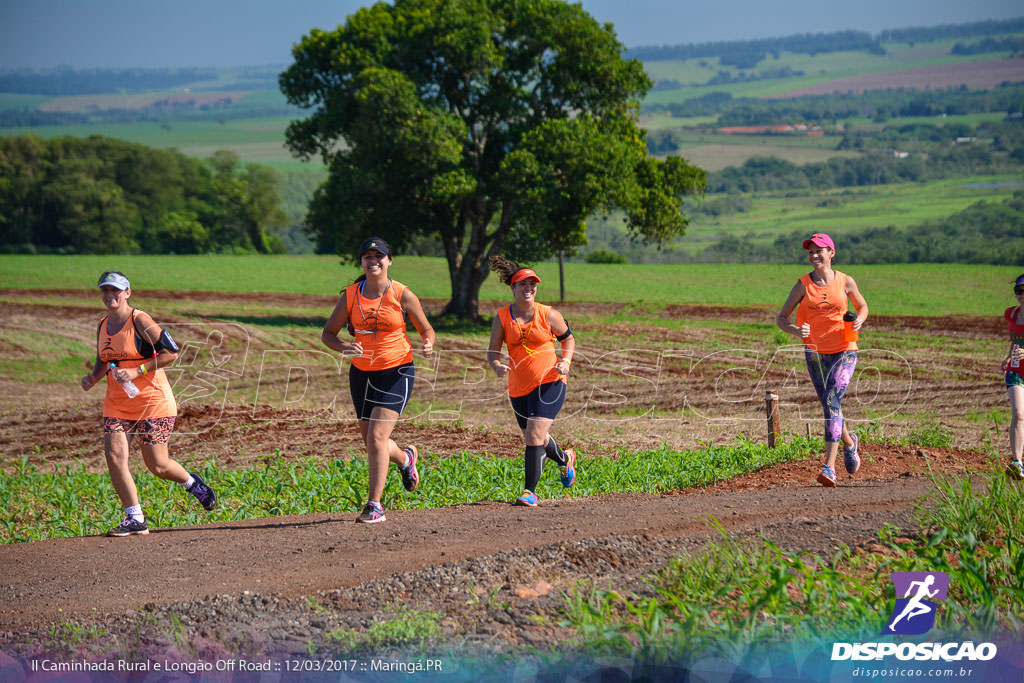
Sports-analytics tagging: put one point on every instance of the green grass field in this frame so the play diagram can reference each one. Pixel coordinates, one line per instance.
(816, 69)
(831, 64)
(917, 289)
(258, 140)
(768, 144)
(846, 211)
(721, 154)
(755, 600)
(667, 122)
(18, 101)
(969, 119)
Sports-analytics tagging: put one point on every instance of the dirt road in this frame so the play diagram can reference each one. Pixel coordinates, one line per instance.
(248, 580)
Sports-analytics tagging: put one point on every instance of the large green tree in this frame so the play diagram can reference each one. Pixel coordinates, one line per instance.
(498, 125)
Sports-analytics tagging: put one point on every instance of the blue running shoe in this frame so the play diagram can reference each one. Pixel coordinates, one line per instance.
(827, 478)
(129, 527)
(203, 493)
(568, 473)
(410, 477)
(527, 499)
(372, 513)
(850, 457)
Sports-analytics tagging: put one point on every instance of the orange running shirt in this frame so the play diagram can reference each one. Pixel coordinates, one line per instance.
(380, 327)
(531, 348)
(155, 397)
(824, 308)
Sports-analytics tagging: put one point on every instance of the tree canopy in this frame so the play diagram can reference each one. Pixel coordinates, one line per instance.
(498, 125)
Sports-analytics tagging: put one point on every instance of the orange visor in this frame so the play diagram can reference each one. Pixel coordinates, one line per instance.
(524, 274)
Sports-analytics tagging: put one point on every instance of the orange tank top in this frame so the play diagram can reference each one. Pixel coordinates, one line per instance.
(380, 327)
(824, 308)
(155, 397)
(531, 348)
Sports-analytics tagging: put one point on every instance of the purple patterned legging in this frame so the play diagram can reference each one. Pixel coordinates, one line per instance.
(831, 374)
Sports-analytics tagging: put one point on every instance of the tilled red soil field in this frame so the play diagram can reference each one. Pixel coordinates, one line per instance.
(971, 74)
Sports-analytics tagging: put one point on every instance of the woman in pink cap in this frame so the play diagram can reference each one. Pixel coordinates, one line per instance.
(1013, 375)
(536, 376)
(821, 299)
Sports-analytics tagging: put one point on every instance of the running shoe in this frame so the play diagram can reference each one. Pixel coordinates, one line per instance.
(827, 477)
(1015, 470)
(850, 457)
(372, 513)
(203, 493)
(527, 499)
(410, 477)
(568, 473)
(129, 527)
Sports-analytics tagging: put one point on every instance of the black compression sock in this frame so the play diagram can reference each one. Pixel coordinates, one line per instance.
(534, 466)
(554, 452)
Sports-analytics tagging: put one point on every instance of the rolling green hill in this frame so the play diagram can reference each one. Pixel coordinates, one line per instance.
(726, 88)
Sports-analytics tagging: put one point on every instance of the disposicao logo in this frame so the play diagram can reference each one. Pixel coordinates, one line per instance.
(914, 613)
(917, 594)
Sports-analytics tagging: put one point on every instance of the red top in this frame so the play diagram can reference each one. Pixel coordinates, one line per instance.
(1016, 333)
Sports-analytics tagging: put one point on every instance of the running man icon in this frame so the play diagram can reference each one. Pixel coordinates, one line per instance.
(916, 589)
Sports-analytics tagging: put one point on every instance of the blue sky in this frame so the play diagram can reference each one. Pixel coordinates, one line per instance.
(178, 33)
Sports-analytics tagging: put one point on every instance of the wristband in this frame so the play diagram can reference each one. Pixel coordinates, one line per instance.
(142, 369)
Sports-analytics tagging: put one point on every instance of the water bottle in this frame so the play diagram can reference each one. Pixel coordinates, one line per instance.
(128, 386)
(1014, 361)
(849, 334)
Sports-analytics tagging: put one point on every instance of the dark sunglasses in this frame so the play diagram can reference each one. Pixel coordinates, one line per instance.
(1018, 289)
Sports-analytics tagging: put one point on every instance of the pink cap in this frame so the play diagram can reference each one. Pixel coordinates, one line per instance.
(821, 239)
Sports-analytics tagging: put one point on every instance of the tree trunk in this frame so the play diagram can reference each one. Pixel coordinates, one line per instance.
(561, 276)
(466, 283)
(467, 272)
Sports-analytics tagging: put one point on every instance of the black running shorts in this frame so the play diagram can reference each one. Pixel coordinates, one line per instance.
(544, 401)
(389, 388)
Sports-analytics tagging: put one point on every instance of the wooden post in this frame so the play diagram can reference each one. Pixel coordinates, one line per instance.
(771, 406)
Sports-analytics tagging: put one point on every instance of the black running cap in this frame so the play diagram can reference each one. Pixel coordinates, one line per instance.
(375, 244)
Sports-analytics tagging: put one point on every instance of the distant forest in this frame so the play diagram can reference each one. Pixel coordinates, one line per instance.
(66, 81)
(745, 54)
(100, 195)
(27, 118)
(880, 105)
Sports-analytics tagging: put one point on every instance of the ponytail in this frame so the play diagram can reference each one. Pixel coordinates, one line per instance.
(505, 268)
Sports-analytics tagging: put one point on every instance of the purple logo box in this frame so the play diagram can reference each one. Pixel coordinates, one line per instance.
(917, 594)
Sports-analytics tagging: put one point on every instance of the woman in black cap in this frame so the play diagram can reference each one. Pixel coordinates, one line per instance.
(375, 308)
